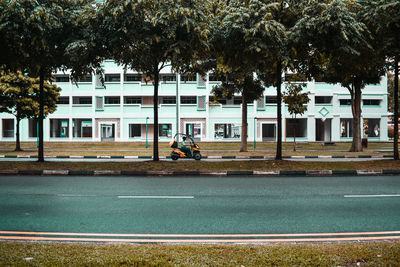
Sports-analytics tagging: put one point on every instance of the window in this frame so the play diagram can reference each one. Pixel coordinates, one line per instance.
(132, 100)
(346, 127)
(201, 104)
(345, 102)
(323, 100)
(168, 78)
(59, 128)
(371, 127)
(112, 78)
(188, 100)
(63, 100)
(86, 79)
(82, 100)
(270, 99)
(8, 127)
(99, 83)
(167, 100)
(33, 127)
(99, 103)
(62, 78)
(237, 100)
(371, 102)
(133, 78)
(82, 128)
(135, 130)
(112, 100)
(188, 78)
(165, 130)
(260, 103)
(201, 81)
(296, 127)
(227, 131)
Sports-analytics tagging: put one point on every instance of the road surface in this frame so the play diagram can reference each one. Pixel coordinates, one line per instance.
(239, 208)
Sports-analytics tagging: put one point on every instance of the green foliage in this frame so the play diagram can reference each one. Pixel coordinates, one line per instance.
(343, 47)
(19, 95)
(249, 87)
(145, 34)
(296, 101)
(39, 34)
(384, 18)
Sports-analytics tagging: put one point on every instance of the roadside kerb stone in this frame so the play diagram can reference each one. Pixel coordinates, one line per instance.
(319, 173)
(79, 173)
(266, 173)
(294, 173)
(55, 172)
(396, 172)
(369, 172)
(30, 172)
(75, 157)
(8, 172)
(186, 173)
(232, 173)
(208, 173)
(344, 172)
(160, 173)
(134, 173)
(23, 156)
(105, 173)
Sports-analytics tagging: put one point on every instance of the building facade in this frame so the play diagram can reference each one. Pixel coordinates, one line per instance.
(122, 110)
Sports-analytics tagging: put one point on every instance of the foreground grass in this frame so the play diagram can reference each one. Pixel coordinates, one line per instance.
(73, 254)
(191, 165)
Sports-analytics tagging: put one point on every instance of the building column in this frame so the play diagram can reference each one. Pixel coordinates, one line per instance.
(335, 128)
(311, 128)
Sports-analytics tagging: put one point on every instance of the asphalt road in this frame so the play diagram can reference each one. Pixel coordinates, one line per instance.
(198, 205)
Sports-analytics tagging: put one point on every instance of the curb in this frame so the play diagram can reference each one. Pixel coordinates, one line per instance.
(204, 157)
(201, 173)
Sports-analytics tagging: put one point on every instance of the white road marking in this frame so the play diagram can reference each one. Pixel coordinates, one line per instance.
(158, 197)
(361, 196)
(71, 195)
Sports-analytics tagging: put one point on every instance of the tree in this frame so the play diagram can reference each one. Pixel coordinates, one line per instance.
(297, 103)
(385, 18)
(337, 31)
(391, 88)
(259, 31)
(19, 97)
(148, 35)
(250, 90)
(38, 36)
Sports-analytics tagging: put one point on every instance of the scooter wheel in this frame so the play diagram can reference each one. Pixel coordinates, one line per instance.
(197, 156)
(174, 157)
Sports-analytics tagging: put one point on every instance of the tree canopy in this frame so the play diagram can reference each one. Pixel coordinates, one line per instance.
(148, 35)
(19, 96)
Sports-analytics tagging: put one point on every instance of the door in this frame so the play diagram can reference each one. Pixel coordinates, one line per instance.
(107, 132)
(194, 130)
(269, 132)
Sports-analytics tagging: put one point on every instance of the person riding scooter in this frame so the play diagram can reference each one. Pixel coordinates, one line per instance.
(190, 151)
(184, 148)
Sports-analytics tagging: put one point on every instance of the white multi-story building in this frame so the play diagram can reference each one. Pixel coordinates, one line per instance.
(122, 110)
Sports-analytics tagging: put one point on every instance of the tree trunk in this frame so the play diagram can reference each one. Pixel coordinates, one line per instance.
(243, 147)
(396, 109)
(294, 135)
(356, 110)
(17, 144)
(41, 116)
(156, 74)
(279, 110)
